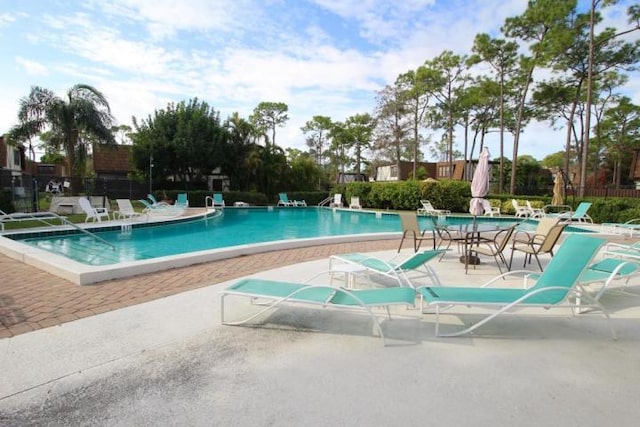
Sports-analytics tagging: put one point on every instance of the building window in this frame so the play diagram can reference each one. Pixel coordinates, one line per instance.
(16, 157)
(443, 171)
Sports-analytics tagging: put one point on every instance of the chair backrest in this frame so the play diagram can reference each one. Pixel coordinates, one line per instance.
(486, 206)
(182, 200)
(515, 204)
(217, 198)
(427, 205)
(337, 198)
(409, 221)
(546, 224)
(418, 259)
(355, 201)
(284, 197)
(125, 206)
(503, 237)
(552, 238)
(85, 205)
(152, 198)
(581, 210)
(565, 267)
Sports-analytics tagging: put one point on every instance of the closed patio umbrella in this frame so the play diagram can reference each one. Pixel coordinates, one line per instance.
(480, 184)
(558, 190)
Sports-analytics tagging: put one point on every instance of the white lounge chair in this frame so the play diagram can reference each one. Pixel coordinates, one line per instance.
(125, 210)
(337, 201)
(355, 203)
(428, 209)
(520, 211)
(535, 212)
(488, 209)
(94, 214)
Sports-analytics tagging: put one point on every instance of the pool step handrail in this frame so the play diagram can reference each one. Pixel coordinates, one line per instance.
(326, 201)
(30, 216)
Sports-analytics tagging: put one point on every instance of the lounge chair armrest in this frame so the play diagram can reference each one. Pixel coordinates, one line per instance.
(522, 273)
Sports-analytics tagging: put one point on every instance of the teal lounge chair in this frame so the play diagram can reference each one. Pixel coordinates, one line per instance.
(395, 270)
(277, 293)
(182, 200)
(155, 202)
(161, 209)
(554, 288)
(284, 200)
(604, 272)
(218, 200)
(579, 215)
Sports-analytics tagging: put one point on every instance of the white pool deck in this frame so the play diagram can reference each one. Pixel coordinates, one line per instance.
(170, 362)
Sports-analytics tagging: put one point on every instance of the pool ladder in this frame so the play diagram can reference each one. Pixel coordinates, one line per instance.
(43, 217)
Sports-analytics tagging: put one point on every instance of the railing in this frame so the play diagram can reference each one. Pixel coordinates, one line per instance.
(326, 201)
(43, 217)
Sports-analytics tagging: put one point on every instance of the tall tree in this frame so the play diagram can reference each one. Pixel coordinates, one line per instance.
(70, 121)
(416, 98)
(541, 23)
(444, 78)
(268, 116)
(502, 56)
(317, 129)
(393, 125)
(357, 134)
(621, 135)
(185, 141)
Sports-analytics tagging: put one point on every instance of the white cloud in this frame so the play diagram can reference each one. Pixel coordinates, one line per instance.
(32, 68)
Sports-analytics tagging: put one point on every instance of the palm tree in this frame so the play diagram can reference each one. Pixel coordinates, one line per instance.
(71, 123)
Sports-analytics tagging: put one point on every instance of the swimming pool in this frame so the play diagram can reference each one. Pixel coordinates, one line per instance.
(143, 247)
(234, 227)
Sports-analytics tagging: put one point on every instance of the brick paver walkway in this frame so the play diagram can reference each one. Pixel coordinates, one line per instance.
(32, 299)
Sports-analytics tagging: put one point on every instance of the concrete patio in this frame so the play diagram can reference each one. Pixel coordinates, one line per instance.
(168, 361)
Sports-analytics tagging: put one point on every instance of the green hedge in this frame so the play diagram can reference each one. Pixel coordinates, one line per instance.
(406, 195)
(6, 201)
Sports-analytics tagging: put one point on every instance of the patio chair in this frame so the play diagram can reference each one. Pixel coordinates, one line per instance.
(622, 251)
(555, 287)
(284, 200)
(161, 209)
(603, 272)
(337, 201)
(534, 247)
(125, 210)
(218, 200)
(579, 215)
(410, 226)
(155, 202)
(494, 248)
(182, 201)
(277, 293)
(355, 203)
(539, 234)
(396, 270)
(534, 212)
(520, 211)
(94, 214)
(428, 209)
(488, 209)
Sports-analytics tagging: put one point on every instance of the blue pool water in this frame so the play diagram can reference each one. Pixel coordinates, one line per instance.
(234, 227)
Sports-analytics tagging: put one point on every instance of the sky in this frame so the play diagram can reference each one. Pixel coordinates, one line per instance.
(320, 57)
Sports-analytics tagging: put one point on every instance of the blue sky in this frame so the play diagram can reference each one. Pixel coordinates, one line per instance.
(321, 57)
